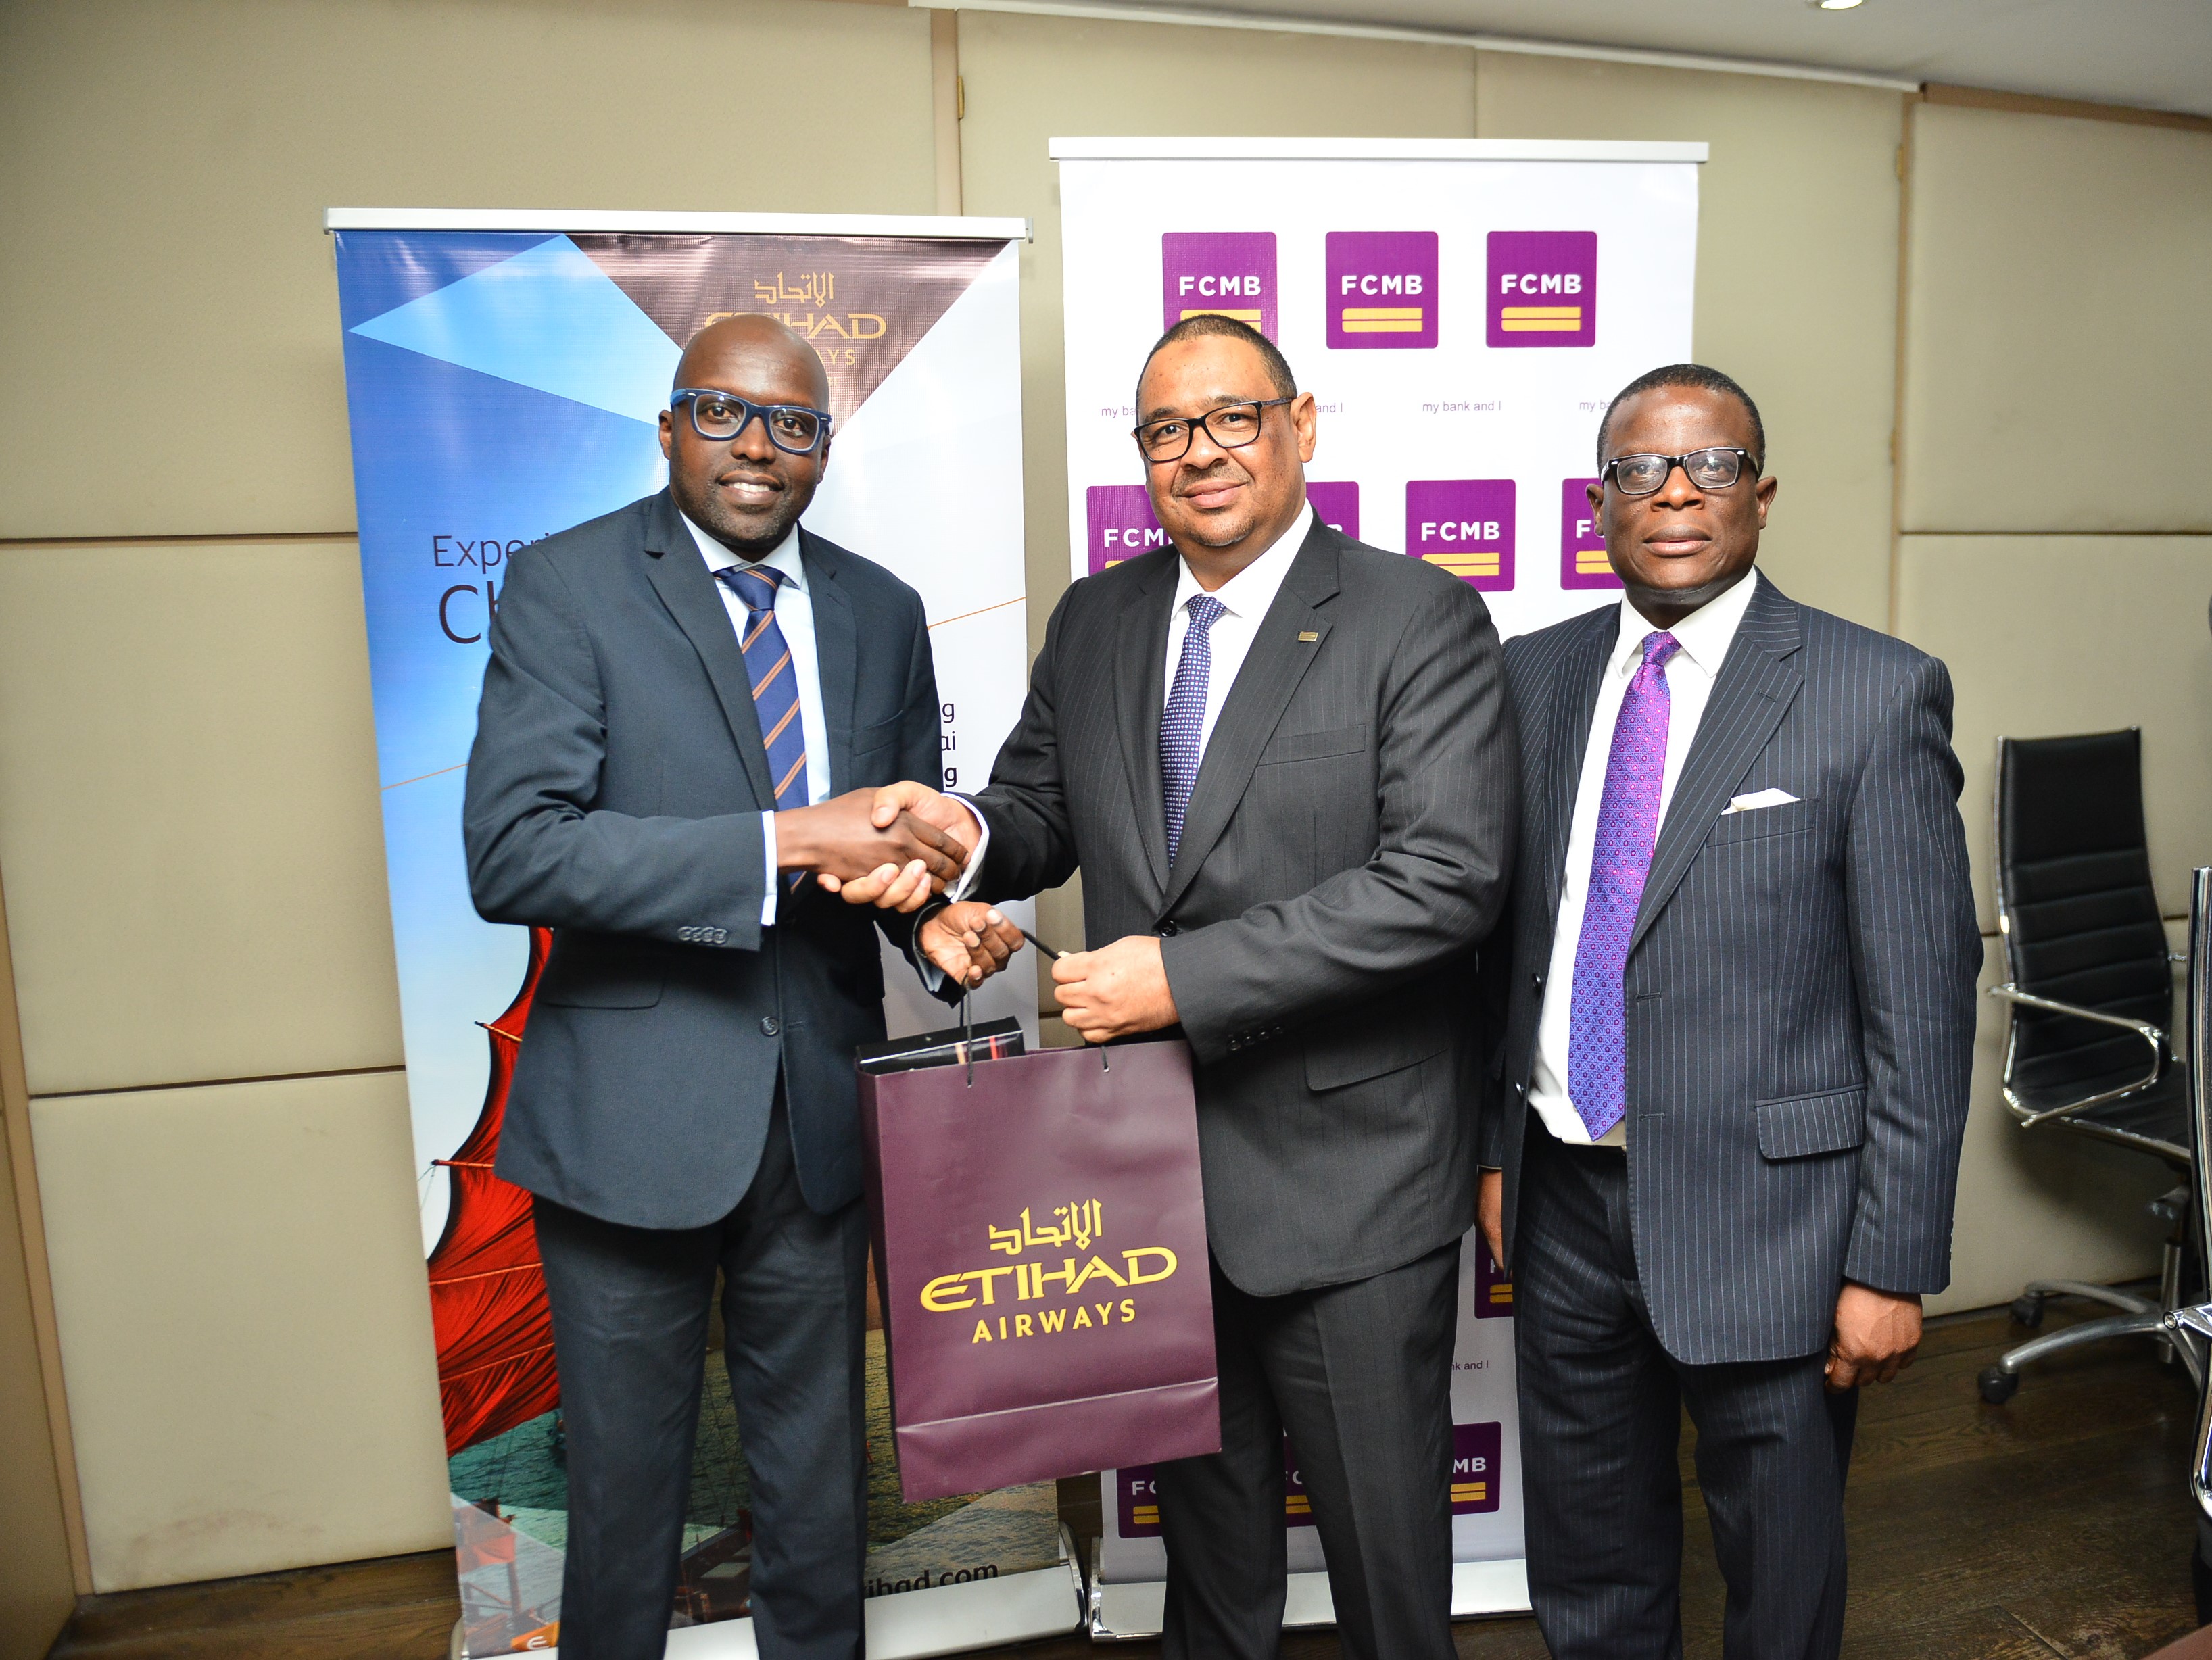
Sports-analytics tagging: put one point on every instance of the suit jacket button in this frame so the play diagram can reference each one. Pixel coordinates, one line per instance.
(1168, 929)
(771, 1026)
(1536, 982)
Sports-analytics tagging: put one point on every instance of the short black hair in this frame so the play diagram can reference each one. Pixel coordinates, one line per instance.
(1214, 323)
(1686, 374)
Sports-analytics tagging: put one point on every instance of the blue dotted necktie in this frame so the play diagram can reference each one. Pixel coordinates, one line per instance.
(775, 685)
(1183, 722)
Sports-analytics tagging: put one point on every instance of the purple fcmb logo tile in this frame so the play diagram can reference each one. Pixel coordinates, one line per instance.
(1136, 1502)
(1543, 288)
(1336, 506)
(1474, 1475)
(1583, 563)
(1465, 526)
(1229, 272)
(1493, 1292)
(1122, 523)
(1382, 290)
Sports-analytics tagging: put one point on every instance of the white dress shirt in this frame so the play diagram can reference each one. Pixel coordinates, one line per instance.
(1705, 635)
(795, 615)
(1245, 598)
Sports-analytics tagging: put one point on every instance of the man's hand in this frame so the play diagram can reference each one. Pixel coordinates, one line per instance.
(889, 886)
(1114, 992)
(850, 835)
(1490, 1213)
(970, 941)
(1877, 1335)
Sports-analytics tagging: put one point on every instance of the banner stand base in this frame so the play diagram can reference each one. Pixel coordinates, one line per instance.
(915, 1625)
(1132, 1610)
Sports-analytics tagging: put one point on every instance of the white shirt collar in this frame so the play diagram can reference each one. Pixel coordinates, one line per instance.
(1704, 635)
(784, 559)
(1252, 590)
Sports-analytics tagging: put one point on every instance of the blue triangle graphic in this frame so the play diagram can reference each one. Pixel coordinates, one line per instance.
(548, 318)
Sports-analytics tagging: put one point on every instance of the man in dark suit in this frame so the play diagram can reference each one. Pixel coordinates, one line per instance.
(674, 692)
(1281, 761)
(1735, 1017)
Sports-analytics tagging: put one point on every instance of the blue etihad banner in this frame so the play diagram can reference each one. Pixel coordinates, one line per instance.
(504, 375)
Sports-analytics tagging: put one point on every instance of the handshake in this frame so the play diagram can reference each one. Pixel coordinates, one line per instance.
(898, 847)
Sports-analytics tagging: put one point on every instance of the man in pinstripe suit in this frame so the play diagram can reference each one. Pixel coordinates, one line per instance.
(1282, 762)
(1734, 1011)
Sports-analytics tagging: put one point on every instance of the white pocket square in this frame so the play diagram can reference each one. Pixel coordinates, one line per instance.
(1756, 799)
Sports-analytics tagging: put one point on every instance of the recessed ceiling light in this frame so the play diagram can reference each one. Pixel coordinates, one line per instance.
(1838, 5)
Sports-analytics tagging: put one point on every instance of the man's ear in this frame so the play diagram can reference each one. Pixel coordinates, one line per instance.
(1307, 423)
(1764, 495)
(667, 435)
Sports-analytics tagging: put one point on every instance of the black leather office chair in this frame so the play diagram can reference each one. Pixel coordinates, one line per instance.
(2091, 987)
(2193, 1327)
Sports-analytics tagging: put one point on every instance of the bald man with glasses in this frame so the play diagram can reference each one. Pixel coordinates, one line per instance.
(688, 705)
(1733, 1020)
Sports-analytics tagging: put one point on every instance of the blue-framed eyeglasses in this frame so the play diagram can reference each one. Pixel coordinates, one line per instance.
(792, 427)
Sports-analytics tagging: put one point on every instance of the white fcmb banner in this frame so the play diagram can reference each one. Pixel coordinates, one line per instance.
(1462, 312)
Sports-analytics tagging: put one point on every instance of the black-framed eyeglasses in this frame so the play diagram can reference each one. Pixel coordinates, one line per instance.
(1231, 426)
(1708, 469)
(792, 427)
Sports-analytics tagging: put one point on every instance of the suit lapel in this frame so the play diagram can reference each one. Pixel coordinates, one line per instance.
(688, 589)
(1573, 705)
(1272, 669)
(1140, 649)
(1758, 682)
(836, 656)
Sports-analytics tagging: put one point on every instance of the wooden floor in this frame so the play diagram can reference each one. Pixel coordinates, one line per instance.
(2057, 1525)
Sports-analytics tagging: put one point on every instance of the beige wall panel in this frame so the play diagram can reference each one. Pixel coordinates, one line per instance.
(1797, 279)
(2052, 634)
(36, 1595)
(1032, 79)
(244, 1326)
(164, 164)
(188, 814)
(2056, 311)
(2042, 1204)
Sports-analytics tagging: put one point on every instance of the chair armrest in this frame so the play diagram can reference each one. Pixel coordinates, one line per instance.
(2143, 1029)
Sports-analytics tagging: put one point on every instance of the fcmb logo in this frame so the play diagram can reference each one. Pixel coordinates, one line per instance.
(1382, 290)
(1543, 288)
(1583, 563)
(1231, 273)
(1464, 525)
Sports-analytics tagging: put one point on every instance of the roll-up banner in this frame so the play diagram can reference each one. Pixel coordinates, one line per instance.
(504, 371)
(1462, 312)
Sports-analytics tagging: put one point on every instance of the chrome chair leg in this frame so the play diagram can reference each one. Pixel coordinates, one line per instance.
(2028, 1307)
(2000, 1382)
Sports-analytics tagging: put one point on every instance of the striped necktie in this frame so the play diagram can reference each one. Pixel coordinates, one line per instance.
(775, 685)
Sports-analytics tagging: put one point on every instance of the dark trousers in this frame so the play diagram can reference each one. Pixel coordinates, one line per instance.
(1600, 1421)
(630, 1309)
(1360, 1376)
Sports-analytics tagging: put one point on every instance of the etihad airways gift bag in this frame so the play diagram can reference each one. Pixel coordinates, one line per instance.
(1040, 1242)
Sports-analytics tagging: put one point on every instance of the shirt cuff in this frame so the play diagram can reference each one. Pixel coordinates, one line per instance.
(973, 867)
(769, 891)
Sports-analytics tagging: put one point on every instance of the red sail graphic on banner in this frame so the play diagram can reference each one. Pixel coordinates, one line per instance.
(487, 1288)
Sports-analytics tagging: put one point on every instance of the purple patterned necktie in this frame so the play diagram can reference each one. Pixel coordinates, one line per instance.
(1620, 859)
(1183, 722)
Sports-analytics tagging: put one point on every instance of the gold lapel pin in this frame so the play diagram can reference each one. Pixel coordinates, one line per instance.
(1308, 633)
